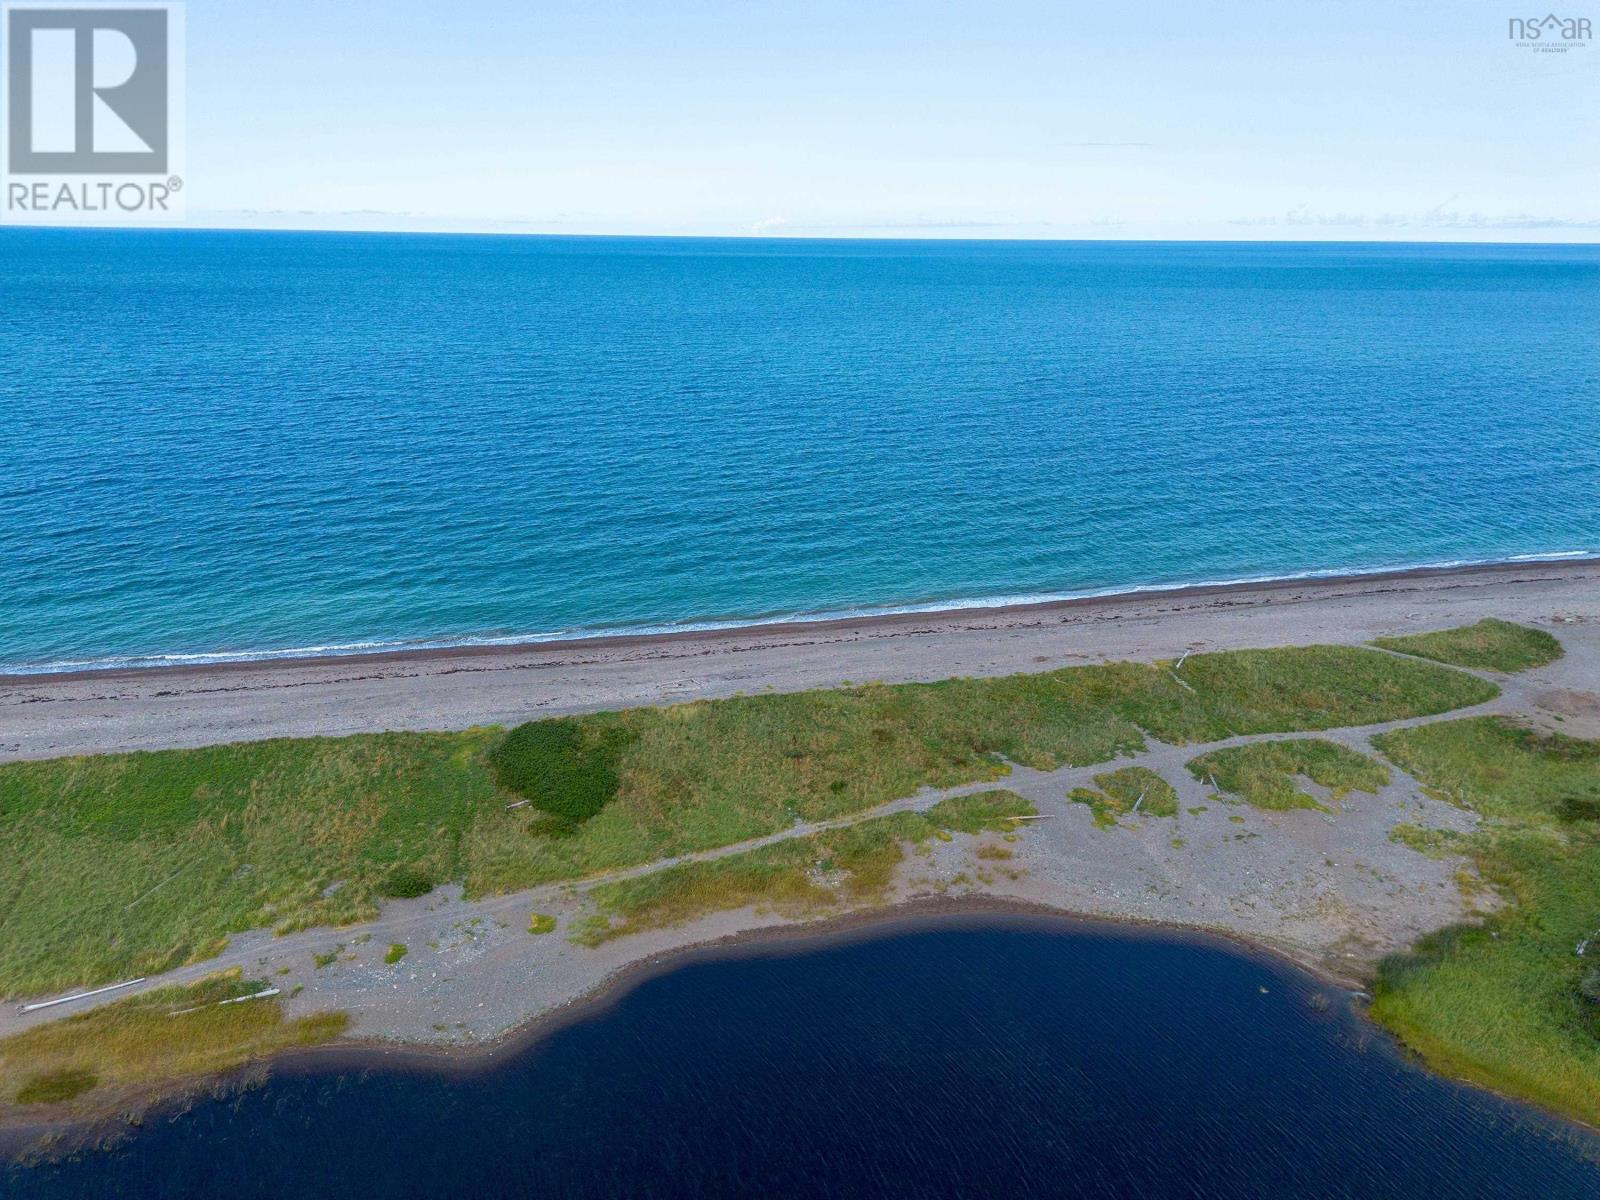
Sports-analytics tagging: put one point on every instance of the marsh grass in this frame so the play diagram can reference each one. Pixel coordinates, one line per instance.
(1125, 792)
(153, 1038)
(127, 864)
(396, 951)
(1490, 645)
(56, 1087)
(1264, 774)
(799, 877)
(1502, 1003)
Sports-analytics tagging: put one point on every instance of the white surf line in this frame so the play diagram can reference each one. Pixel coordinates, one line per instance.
(28, 1008)
(803, 617)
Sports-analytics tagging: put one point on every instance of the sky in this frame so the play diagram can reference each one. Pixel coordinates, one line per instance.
(1238, 119)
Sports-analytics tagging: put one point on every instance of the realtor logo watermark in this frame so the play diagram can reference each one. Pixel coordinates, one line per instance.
(93, 123)
(1549, 34)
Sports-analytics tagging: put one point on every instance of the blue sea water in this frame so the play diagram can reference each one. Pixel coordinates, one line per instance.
(222, 443)
(1008, 1057)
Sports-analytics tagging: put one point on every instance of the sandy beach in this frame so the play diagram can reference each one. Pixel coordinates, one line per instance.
(45, 716)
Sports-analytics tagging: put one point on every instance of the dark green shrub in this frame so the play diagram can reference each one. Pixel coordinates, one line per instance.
(404, 883)
(1578, 808)
(567, 768)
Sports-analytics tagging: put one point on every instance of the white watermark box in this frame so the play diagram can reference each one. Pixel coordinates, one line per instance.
(92, 131)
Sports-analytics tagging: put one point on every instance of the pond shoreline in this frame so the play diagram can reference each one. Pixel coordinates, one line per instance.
(24, 1141)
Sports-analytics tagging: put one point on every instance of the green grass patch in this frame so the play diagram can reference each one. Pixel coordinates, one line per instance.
(1502, 770)
(541, 923)
(1490, 645)
(171, 1033)
(396, 951)
(981, 812)
(1503, 1003)
(1101, 808)
(1313, 687)
(1265, 773)
(129, 864)
(56, 1087)
(1435, 843)
(798, 877)
(1141, 787)
(1125, 791)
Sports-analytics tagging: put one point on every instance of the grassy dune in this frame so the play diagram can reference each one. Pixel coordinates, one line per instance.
(1490, 645)
(1264, 773)
(129, 864)
(1510, 1003)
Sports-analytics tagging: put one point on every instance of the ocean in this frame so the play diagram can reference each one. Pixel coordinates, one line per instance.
(231, 445)
(1002, 1056)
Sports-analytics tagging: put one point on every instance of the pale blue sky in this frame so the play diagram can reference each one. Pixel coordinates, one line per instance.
(1242, 119)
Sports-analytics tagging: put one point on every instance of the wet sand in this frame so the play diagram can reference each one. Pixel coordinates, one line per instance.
(95, 712)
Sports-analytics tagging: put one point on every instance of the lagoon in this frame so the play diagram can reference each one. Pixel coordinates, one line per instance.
(936, 1056)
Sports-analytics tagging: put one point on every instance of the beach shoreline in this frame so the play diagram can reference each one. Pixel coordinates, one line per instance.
(62, 713)
(821, 623)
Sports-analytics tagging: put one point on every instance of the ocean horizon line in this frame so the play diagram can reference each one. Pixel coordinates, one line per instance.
(378, 646)
(823, 236)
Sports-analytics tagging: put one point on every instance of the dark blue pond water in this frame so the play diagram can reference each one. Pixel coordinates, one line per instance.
(1016, 1056)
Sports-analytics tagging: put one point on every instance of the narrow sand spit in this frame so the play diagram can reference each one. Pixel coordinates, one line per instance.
(1332, 889)
(45, 716)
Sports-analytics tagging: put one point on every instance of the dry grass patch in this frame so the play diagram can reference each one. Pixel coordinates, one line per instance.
(170, 1034)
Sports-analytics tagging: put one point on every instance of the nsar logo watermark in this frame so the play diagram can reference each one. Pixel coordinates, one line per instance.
(93, 126)
(1549, 34)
